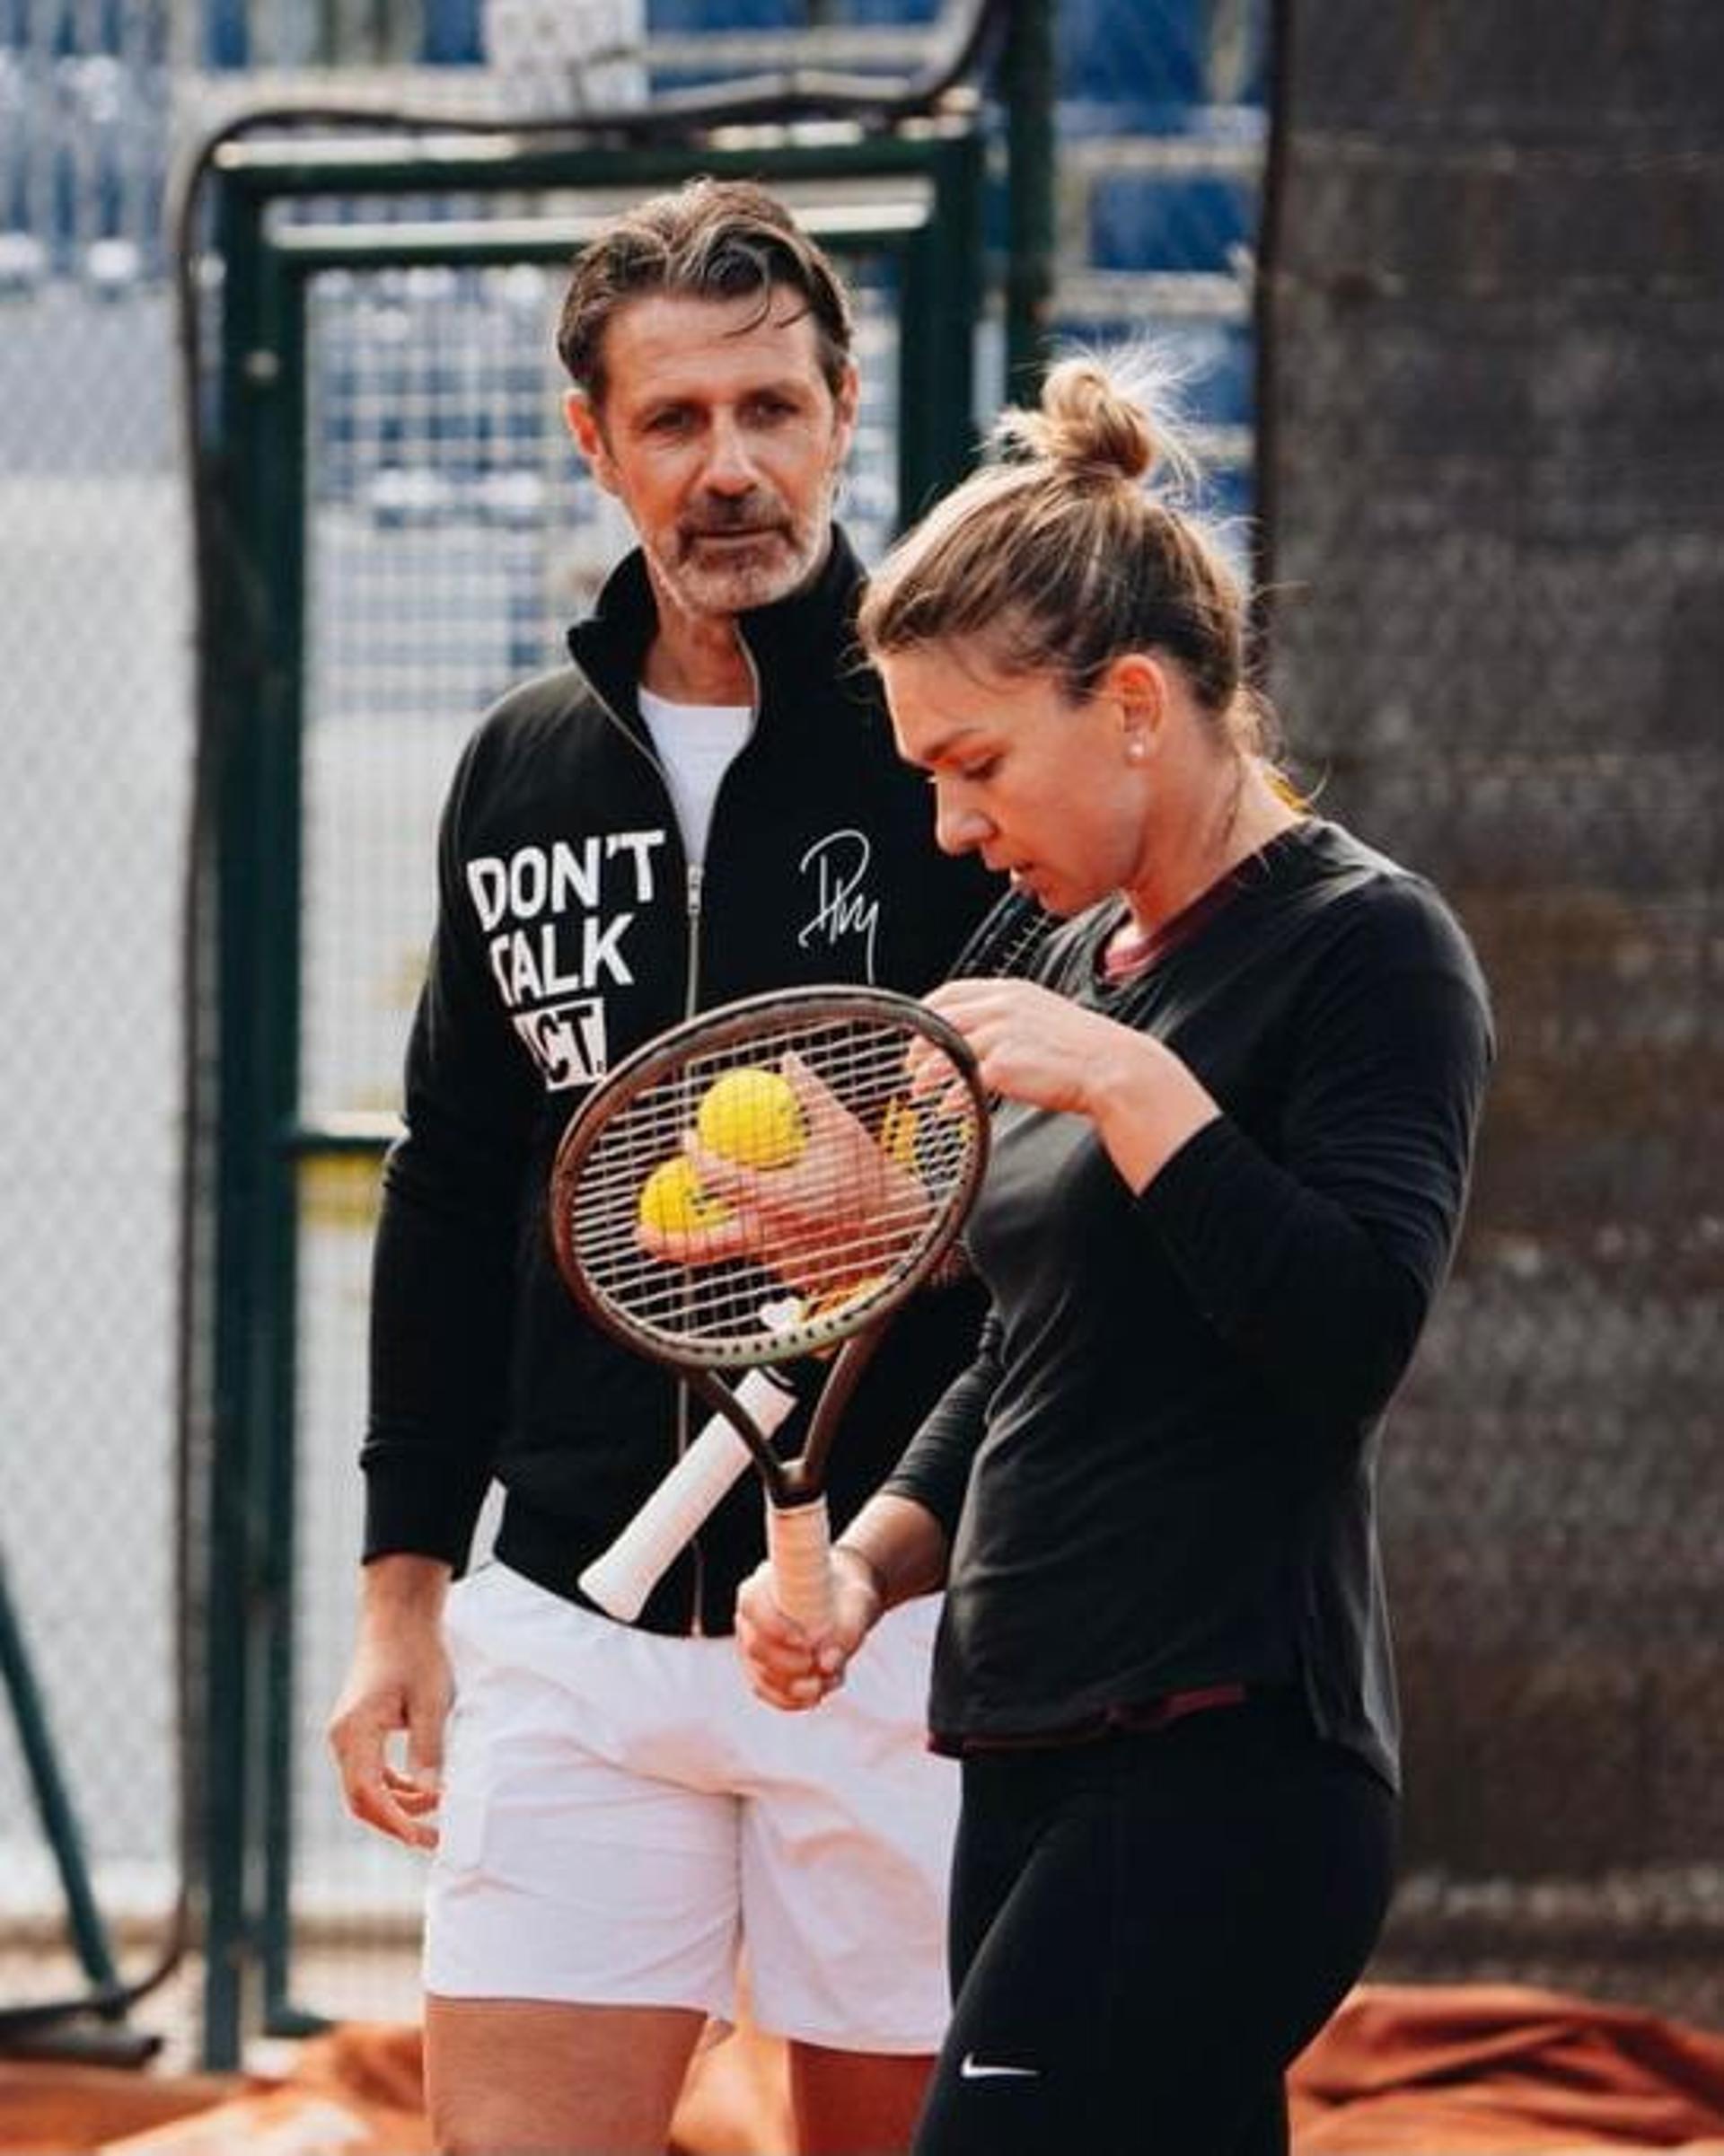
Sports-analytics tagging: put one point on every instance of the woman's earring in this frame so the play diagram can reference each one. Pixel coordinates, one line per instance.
(1134, 748)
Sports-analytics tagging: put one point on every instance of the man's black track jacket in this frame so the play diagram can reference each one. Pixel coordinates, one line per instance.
(568, 931)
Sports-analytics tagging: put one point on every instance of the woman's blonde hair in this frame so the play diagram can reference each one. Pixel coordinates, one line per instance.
(1065, 551)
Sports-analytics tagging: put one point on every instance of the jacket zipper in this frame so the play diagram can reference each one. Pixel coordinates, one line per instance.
(696, 877)
(691, 1001)
(696, 873)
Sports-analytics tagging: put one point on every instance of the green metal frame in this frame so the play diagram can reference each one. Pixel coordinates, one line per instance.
(54, 1807)
(1030, 70)
(256, 450)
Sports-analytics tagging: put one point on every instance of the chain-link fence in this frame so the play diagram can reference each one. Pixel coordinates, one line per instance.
(83, 116)
(93, 651)
(1495, 478)
(1491, 447)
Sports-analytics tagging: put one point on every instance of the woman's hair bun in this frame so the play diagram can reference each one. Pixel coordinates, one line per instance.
(1088, 421)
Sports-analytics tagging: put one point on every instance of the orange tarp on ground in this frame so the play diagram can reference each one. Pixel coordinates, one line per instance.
(355, 2092)
(1469, 2068)
(1402, 2071)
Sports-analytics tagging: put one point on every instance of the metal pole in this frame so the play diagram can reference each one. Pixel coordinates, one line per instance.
(1031, 88)
(1266, 334)
(281, 503)
(52, 1804)
(233, 1650)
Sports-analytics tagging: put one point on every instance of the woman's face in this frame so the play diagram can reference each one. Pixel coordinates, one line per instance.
(1051, 792)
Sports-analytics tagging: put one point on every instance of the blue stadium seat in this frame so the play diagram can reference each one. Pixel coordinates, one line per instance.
(1212, 357)
(1133, 52)
(1162, 67)
(1244, 125)
(891, 11)
(454, 35)
(1171, 220)
(1229, 492)
(684, 18)
(227, 40)
(1220, 357)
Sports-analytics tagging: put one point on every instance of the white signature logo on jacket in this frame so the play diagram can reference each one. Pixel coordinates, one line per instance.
(844, 910)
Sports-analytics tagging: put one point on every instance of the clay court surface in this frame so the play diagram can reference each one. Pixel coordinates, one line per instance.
(1402, 2071)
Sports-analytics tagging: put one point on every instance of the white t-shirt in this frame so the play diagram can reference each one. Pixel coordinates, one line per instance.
(695, 743)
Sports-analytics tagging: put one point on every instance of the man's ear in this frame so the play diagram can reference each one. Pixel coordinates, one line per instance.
(847, 397)
(588, 431)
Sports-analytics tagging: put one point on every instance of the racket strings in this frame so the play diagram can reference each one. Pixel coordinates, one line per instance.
(840, 1201)
(1008, 941)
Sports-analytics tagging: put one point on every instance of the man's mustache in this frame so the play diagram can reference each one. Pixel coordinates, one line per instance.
(749, 513)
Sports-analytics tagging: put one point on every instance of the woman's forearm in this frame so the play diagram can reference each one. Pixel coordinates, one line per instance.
(1145, 1103)
(901, 1544)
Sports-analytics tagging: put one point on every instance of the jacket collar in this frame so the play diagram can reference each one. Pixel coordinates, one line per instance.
(812, 631)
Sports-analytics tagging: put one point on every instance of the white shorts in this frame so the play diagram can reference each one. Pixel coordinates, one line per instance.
(621, 1819)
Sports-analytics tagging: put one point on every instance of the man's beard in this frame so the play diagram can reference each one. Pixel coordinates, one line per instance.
(772, 555)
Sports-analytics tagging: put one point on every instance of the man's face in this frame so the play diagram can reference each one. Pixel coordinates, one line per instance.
(724, 443)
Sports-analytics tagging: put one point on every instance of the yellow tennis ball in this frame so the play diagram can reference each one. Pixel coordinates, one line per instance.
(753, 1117)
(672, 1202)
(898, 1133)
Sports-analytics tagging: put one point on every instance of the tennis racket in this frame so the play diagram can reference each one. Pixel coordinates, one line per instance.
(619, 1580)
(1007, 941)
(810, 1197)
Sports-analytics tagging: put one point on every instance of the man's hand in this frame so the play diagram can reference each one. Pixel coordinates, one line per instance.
(399, 1681)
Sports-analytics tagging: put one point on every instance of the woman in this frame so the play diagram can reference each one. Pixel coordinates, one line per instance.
(1237, 1102)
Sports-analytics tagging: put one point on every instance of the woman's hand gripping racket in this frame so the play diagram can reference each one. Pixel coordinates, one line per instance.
(753, 1188)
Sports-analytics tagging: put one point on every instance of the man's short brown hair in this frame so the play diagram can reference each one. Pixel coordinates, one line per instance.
(711, 239)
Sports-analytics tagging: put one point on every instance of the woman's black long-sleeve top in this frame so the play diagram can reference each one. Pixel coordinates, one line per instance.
(1159, 1474)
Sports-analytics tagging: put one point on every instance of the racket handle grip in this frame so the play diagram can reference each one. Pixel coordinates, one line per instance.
(620, 1579)
(799, 1542)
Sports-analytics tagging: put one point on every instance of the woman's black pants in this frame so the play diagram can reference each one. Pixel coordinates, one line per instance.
(1146, 1930)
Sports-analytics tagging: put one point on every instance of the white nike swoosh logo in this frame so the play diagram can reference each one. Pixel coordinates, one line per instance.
(971, 2068)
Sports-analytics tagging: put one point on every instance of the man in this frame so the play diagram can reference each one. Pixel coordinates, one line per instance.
(704, 804)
